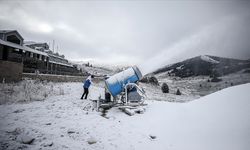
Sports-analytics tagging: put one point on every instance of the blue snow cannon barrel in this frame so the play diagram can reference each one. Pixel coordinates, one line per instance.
(116, 83)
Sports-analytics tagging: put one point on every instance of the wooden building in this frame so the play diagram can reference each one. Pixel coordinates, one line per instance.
(17, 58)
(13, 56)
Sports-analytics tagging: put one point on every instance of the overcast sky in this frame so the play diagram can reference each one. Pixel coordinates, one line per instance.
(118, 32)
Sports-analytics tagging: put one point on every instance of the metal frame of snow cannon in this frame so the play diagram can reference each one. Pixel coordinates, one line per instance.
(138, 90)
(132, 106)
(122, 100)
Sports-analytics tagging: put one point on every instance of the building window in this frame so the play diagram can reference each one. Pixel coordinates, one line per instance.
(1, 52)
(14, 39)
(31, 55)
(27, 54)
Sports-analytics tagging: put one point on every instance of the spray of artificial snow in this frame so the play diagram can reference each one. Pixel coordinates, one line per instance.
(219, 39)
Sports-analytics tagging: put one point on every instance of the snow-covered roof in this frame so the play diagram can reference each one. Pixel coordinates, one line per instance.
(22, 47)
(34, 43)
(59, 63)
(28, 42)
(35, 51)
(6, 31)
(38, 47)
(54, 55)
(10, 31)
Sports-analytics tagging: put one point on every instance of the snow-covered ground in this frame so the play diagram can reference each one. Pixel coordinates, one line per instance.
(220, 121)
(195, 87)
(154, 92)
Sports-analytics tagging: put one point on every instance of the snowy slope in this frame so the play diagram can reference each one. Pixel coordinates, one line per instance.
(204, 65)
(98, 69)
(220, 121)
(208, 59)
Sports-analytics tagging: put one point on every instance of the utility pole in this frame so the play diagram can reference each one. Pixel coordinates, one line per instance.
(53, 45)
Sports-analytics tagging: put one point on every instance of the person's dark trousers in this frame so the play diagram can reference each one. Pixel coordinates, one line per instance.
(86, 92)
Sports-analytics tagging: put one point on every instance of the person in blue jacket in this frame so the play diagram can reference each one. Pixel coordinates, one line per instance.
(86, 86)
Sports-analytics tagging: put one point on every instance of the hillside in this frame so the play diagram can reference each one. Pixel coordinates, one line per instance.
(205, 65)
(98, 70)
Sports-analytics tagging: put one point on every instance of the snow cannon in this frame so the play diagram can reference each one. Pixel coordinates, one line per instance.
(123, 90)
(117, 83)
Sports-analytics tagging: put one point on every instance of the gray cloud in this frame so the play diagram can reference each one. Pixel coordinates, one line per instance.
(133, 31)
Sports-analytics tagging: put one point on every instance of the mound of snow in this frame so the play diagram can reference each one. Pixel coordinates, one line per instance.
(220, 121)
(208, 59)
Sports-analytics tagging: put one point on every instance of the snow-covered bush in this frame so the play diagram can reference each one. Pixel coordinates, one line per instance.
(247, 71)
(150, 79)
(216, 79)
(61, 91)
(164, 88)
(178, 92)
(28, 90)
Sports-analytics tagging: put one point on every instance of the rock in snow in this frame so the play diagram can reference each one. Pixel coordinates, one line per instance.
(70, 131)
(25, 139)
(15, 131)
(47, 144)
(91, 140)
(152, 137)
(18, 110)
(129, 111)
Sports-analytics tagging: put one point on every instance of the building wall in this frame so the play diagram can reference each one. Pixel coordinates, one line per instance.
(58, 59)
(1, 36)
(10, 71)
